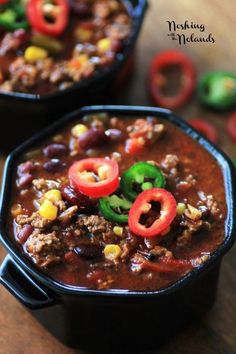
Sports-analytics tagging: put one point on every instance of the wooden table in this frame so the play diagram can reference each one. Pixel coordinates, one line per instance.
(216, 332)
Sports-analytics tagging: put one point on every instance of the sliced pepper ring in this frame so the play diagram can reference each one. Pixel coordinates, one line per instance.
(39, 22)
(142, 205)
(95, 177)
(137, 174)
(166, 60)
(111, 208)
(217, 89)
(13, 16)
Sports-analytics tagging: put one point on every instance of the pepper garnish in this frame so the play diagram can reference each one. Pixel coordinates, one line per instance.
(231, 126)
(142, 206)
(205, 128)
(217, 89)
(12, 16)
(48, 18)
(139, 177)
(95, 177)
(113, 208)
(157, 80)
(52, 45)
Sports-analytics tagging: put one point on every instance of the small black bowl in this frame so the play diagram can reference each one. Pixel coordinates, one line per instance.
(113, 319)
(23, 114)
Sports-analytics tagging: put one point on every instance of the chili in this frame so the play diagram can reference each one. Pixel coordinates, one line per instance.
(53, 24)
(141, 176)
(157, 81)
(142, 205)
(95, 177)
(205, 128)
(218, 89)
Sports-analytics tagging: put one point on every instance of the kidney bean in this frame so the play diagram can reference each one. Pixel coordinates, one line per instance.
(24, 233)
(89, 251)
(79, 8)
(54, 165)
(21, 34)
(55, 150)
(24, 181)
(115, 135)
(74, 197)
(116, 45)
(25, 167)
(92, 138)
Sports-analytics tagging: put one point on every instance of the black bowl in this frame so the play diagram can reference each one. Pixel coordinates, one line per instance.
(109, 319)
(23, 114)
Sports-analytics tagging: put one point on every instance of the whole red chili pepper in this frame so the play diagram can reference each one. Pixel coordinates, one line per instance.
(157, 80)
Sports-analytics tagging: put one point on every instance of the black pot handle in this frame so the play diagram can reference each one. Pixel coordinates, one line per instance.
(22, 286)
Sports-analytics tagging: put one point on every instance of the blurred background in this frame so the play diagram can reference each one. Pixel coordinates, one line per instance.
(215, 333)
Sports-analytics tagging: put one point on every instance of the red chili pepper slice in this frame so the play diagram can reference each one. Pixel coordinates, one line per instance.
(3, 2)
(166, 264)
(95, 177)
(205, 128)
(165, 60)
(142, 205)
(231, 126)
(37, 16)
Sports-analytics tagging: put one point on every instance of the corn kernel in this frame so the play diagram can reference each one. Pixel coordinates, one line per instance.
(83, 34)
(47, 210)
(54, 195)
(181, 208)
(118, 230)
(33, 53)
(104, 45)
(78, 130)
(112, 252)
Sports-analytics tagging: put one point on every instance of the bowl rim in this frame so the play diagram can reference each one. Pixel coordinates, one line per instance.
(224, 162)
(137, 13)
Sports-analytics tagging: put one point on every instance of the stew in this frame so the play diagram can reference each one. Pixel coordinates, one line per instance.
(49, 45)
(90, 213)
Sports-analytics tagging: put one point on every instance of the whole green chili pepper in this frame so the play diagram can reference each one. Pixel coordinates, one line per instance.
(218, 89)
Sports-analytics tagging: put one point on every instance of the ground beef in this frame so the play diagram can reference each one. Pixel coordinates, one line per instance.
(97, 226)
(190, 228)
(170, 166)
(35, 219)
(42, 184)
(45, 249)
